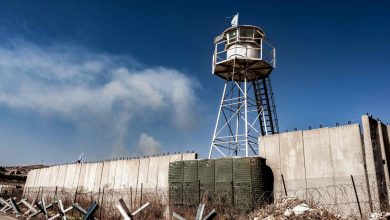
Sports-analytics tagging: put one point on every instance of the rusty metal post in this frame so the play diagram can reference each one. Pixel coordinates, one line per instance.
(140, 201)
(284, 186)
(357, 197)
(102, 204)
(131, 197)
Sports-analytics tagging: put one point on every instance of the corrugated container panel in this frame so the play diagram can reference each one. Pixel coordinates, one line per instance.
(176, 193)
(258, 180)
(224, 193)
(242, 170)
(191, 193)
(207, 191)
(175, 173)
(243, 196)
(206, 170)
(190, 171)
(206, 175)
(227, 181)
(223, 170)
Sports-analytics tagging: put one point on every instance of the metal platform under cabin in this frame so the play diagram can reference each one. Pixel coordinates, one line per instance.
(255, 69)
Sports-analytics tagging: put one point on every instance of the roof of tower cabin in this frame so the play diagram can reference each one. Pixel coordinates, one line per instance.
(220, 37)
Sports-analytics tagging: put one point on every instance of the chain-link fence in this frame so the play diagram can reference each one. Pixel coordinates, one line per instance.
(107, 200)
(349, 196)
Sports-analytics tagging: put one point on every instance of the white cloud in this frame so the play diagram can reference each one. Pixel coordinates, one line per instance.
(92, 89)
(148, 145)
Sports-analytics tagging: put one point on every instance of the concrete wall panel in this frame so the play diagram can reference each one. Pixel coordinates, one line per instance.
(35, 184)
(75, 182)
(122, 174)
(318, 157)
(53, 176)
(292, 155)
(38, 175)
(111, 175)
(385, 149)
(29, 179)
(163, 168)
(374, 162)
(130, 173)
(151, 183)
(175, 157)
(269, 149)
(319, 166)
(32, 176)
(119, 174)
(368, 148)
(47, 176)
(98, 177)
(41, 179)
(143, 172)
(189, 156)
(29, 185)
(83, 171)
(89, 177)
(70, 175)
(131, 179)
(346, 146)
(61, 176)
(105, 171)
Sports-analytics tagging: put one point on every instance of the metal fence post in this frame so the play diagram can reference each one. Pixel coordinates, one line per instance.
(74, 199)
(199, 191)
(140, 201)
(284, 186)
(357, 198)
(232, 194)
(102, 204)
(75, 196)
(55, 194)
(131, 197)
(98, 198)
(40, 191)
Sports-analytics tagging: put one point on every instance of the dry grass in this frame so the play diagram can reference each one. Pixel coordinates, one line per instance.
(158, 209)
(278, 209)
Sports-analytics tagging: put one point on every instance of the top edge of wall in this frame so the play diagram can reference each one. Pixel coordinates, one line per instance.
(127, 158)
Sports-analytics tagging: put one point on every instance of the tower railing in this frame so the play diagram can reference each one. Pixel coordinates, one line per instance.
(256, 49)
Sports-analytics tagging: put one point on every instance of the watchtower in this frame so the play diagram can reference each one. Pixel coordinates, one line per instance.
(244, 60)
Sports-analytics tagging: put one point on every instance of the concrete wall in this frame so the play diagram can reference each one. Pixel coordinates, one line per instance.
(323, 160)
(377, 149)
(150, 173)
(318, 162)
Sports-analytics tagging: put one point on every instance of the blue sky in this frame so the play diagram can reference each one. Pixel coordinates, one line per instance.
(125, 78)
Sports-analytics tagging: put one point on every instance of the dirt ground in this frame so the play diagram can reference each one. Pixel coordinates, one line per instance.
(6, 218)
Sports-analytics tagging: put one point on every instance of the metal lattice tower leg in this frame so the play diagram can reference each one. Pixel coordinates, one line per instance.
(247, 110)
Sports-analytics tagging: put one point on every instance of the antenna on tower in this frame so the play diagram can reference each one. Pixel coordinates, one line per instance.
(244, 60)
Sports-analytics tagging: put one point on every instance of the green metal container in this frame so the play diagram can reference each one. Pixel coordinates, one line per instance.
(236, 182)
(175, 193)
(206, 175)
(224, 170)
(191, 193)
(190, 174)
(175, 173)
